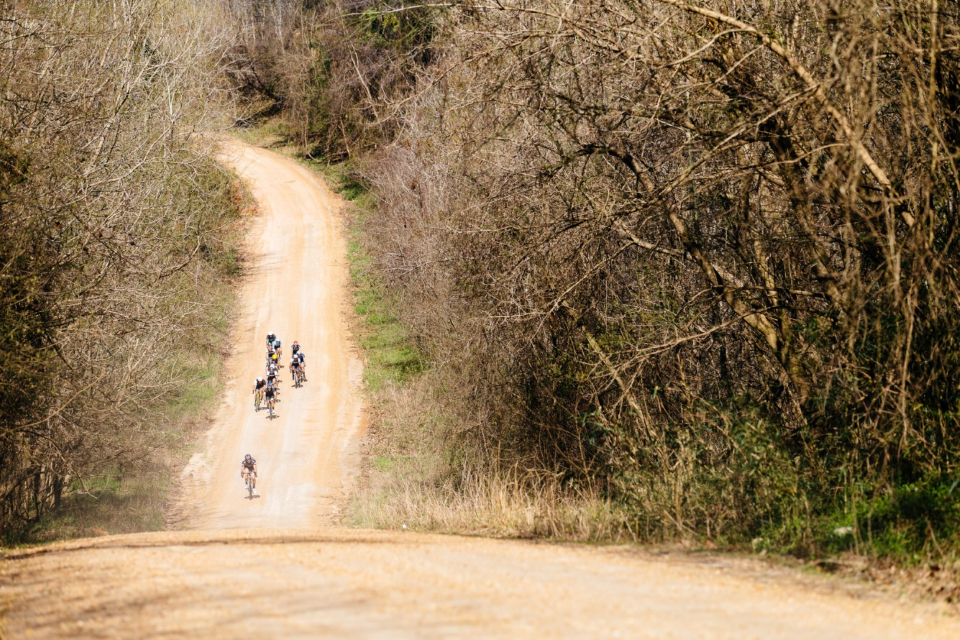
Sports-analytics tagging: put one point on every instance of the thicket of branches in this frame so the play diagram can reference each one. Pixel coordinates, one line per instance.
(701, 254)
(114, 225)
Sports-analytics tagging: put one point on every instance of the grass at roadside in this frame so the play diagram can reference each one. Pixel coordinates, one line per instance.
(389, 353)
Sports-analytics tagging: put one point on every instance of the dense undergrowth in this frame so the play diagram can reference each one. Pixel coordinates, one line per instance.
(690, 268)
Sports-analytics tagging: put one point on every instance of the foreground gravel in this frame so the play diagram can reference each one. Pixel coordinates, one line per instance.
(346, 583)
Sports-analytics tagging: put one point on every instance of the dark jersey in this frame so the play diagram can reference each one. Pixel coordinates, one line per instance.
(261, 384)
(270, 391)
(248, 464)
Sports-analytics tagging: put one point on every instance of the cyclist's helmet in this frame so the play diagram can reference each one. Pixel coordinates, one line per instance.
(247, 458)
(259, 379)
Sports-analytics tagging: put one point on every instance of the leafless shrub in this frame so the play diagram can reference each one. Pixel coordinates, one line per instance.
(113, 235)
(701, 255)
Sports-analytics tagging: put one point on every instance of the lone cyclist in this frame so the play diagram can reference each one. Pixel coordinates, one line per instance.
(248, 468)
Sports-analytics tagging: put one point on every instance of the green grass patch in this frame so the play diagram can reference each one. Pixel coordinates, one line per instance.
(200, 393)
(384, 464)
(110, 504)
(266, 132)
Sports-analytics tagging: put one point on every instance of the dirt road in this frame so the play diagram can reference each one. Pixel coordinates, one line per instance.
(275, 568)
(295, 286)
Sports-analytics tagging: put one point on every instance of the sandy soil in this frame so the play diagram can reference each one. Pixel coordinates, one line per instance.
(274, 568)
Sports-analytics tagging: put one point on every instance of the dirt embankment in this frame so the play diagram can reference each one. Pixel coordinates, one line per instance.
(268, 568)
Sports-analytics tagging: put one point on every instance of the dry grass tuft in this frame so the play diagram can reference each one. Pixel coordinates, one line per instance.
(410, 480)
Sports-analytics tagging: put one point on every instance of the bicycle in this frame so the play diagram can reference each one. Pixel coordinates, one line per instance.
(270, 413)
(249, 486)
(297, 378)
(257, 399)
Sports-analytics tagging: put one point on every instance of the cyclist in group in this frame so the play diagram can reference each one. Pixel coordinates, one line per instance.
(295, 368)
(248, 467)
(271, 337)
(270, 394)
(259, 385)
(273, 380)
(302, 357)
(276, 347)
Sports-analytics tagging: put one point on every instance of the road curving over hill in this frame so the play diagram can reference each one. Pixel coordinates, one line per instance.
(279, 567)
(295, 286)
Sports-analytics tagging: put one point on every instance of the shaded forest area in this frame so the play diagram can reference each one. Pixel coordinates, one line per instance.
(115, 241)
(698, 259)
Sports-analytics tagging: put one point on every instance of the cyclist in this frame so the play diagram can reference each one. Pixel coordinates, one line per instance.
(248, 467)
(302, 357)
(295, 347)
(271, 336)
(273, 380)
(258, 385)
(270, 392)
(276, 347)
(295, 368)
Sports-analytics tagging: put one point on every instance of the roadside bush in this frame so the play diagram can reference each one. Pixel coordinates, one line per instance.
(115, 239)
(701, 257)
